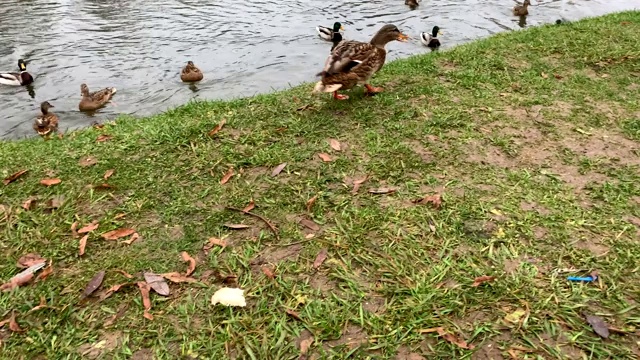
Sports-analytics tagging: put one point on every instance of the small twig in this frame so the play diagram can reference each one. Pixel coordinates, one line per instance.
(275, 232)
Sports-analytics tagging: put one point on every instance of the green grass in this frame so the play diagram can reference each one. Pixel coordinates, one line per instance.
(530, 137)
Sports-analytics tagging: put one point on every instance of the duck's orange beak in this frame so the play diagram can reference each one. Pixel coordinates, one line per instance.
(402, 37)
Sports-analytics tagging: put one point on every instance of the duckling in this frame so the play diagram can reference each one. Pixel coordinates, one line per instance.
(352, 63)
(191, 73)
(431, 40)
(95, 100)
(328, 34)
(413, 4)
(17, 79)
(522, 10)
(46, 123)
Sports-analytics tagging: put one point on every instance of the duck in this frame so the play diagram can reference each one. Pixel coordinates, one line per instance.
(353, 62)
(522, 10)
(413, 4)
(47, 122)
(328, 34)
(17, 79)
(191, 73)
(95, 100)
(431, 40)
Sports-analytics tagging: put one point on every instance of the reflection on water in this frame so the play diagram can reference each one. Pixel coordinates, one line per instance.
(243, 47)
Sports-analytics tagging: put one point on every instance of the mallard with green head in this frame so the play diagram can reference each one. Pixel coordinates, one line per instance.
(47, 122)
(522, 10)
(17, 78)
(191, 73)
(94, 100)
(353, 63)
(431, 39)
(330, 34)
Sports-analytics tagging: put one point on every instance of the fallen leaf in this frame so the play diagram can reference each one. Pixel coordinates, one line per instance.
(335, 144)
(218, 127)
(74, 226)
(119, 216)
(29, 260)
(134, 237)
(515, 316)
(97, 125)
(310, 224)
(120, 313)
(214, 242)
(305, 345)
(357, 183)
(124, 273)
(227, 176)
(55, 202)
(83, 244)
(325, 157)
(558, 76)
(50, 182)
(157, 283)
(103, 186)
(192, 262)
(599, 326)
(146, 301)
(118, 233)
(94, 284)
(87, 161)
(268, 272)
(104, 137)
(88, 228)
(42, 305)
(13, 177)
(237, 226)
(454, 339)
(229, 297)
(311, 202)
(293, 314)
(544, 75)
(45, 272)
(435, 200)
(175, 277)
(322, 256)
(17, 281)
(112, 290)
(482, 279)
(29, 203)
(278, 169)
(380, 191)
(249, 206)
(108, 174)
(13, 324)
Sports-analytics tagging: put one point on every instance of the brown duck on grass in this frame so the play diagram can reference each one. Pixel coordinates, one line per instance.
(47, 122)
(352, 63)
(191, 73)
(94, 100)
(522, 10)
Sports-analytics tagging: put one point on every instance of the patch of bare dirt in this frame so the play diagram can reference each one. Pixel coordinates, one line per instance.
(352, 336)
(488, 155)
(562, 344)
(540, 232)
(608, 147)
(107, 342)
(533, 206)
(322, 283)
(276, 254)
(447, 66)
(596, 247)
(143, 354)
(571, 175)
(405, 353)
(374, 304)
(490, 349)
(511, 266)
(425, 154)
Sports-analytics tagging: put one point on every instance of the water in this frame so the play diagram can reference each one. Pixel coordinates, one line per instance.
(243, 47)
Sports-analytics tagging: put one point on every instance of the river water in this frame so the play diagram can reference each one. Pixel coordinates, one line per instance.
(243, 47)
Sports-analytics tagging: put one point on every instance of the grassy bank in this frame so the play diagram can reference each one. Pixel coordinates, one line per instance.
(531, 139)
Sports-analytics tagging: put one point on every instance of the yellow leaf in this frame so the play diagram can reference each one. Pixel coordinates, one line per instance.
(515, 316)
(500, 233)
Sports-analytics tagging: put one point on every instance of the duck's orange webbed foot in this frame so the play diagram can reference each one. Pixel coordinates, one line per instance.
(340, 96)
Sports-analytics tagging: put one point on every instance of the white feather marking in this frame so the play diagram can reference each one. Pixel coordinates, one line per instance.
(9, 79)
(425, 38)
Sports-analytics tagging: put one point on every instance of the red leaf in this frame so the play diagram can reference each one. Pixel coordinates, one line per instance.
(118, 233)
(322, 256)
(192, 263)
(558, 76)
(108, 174)
(325, 157)
(83, 244)
(311, 202)
(50, 182)
(335, 144)
(94, 284)
(218, 127)
(482, 279)
(278, 169)
(145, 289)
(268, 272)
(88, 228)
(226, 177)
(11, 178)
(250, 206)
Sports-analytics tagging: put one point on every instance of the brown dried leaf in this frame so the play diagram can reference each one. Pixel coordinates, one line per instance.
(599, 326)
(134, 237)
(108, 174)
(380, 191)
(218, 127)
(17, 281)
(29, 260)
(454, 339)
(42, 305)
(192, 262)
(45, 272)
(268, 272)
(120, 313)
(544, 75)
(434, 200)
(311, 202)
(293, 314)
(278, 169)
(357, 183)
(74, 226)
(103, 186)
(119, 216)
(249, 206)
(482, 279)
(104, 137)
(325, 157)
(112, 290)
(558, 76)
(237, 226)
(214, 242)
(83, 244)
(30, 203)
(118, 233)
(145, 289)
(94, 284)
(227, 176)
(335, 144)
(13, 177)
(50, 182)
(157, 283)
(88, 228)
(305, 345)
(175, 277)
(310, 224)
(88, 161)
(322, 256)
(13, 324)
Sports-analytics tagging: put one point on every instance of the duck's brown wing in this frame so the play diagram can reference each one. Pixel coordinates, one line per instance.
(101, 96)
(349, 56)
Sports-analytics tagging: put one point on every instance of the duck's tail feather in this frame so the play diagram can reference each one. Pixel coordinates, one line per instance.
(320, 87)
